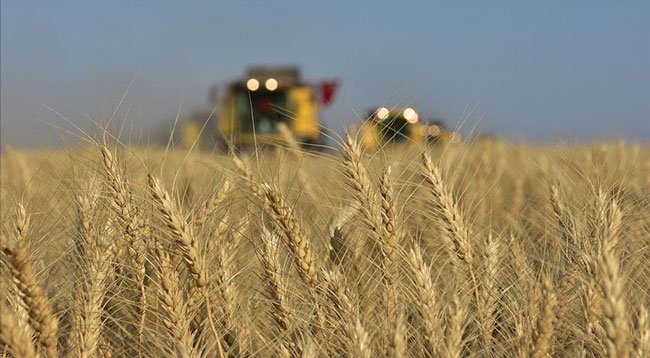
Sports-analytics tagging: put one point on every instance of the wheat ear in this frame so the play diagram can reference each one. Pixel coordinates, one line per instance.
(176, 317)
(612, 222)
(359, 181)
(489, 290)
(425, 299)
(562, 216)
(245, 171)
(14, 338)
(183, 237)
(223, 279)
(545, 320)
(299, 244)
(41, 318)
(185, 241)
(446, 209)
(134, 227)
(455, 328)
(397, 343)
(614, 318)
(284, 216)
(275, 291)
(338, 247)
(642, 344)
(347, 315)
(96, 266)
(341, 302)
(127, 212)
(22, 226)
(211, 206)
(389, 242)
(361, 346)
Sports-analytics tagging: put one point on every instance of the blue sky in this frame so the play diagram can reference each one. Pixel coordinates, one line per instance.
(539, 71)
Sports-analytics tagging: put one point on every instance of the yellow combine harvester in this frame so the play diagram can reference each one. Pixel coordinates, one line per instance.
(251, 109)
(402, 125)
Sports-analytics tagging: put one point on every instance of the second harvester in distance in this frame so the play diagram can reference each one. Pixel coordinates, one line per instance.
(386, 126)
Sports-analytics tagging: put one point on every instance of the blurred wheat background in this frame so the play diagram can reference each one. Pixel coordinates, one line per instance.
(477, 249)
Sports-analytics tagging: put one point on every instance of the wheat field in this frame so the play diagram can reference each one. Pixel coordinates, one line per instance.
(483, 249)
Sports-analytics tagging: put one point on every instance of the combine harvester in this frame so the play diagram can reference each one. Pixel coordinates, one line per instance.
(252, 108)
(386, 126)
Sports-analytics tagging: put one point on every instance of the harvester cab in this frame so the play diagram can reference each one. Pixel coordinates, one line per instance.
(253, 107)
(385, 126)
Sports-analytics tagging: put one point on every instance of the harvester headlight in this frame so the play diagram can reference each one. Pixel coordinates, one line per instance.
(382, 113)
(252, 84)
(434, 130)
(271, 84)
(455, 138)
(410, 115)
